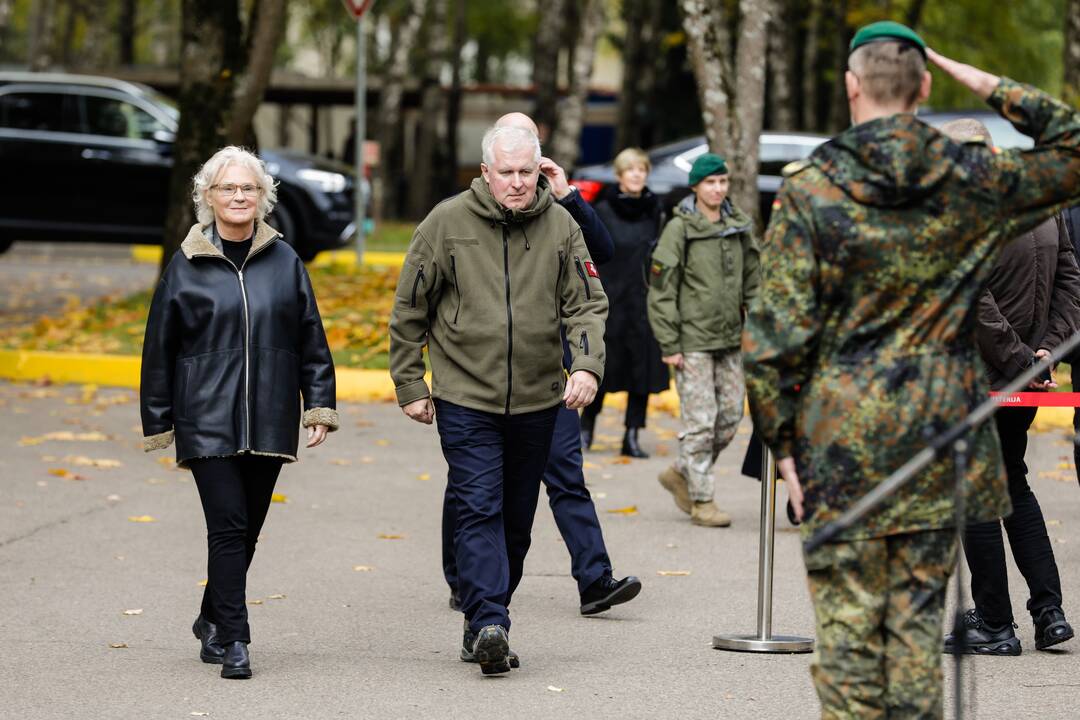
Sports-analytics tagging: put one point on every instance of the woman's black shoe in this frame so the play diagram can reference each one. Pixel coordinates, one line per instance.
(206, 632)
(630, 446)
(1051, 628)
(588, 422)
(608, 591)
(236, 664)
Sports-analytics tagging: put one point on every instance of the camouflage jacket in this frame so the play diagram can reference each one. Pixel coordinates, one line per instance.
(861, 345)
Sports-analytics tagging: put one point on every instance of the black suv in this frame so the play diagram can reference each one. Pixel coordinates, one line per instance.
(88, 158)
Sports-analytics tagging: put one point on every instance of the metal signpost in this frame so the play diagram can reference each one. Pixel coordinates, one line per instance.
(764, 641)
(358, 8)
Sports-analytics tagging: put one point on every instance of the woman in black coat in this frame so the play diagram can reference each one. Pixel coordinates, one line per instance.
(631, 214)
(233, 340)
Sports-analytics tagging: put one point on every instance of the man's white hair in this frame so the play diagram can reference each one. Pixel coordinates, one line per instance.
(508, 137)
(212, 168)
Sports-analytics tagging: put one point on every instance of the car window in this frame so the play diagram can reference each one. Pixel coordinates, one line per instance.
(118, 118)
(35, 111)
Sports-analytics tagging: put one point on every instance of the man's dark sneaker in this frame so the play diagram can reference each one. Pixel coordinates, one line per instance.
(492, 650)
(982, 639)
(469, 640)
(236, 665)
(455, 600)
(211, 652)
(608, 591)
(1051, 628)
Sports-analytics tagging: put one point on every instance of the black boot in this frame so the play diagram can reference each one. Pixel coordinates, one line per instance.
(608, 591)
(588, 422)
(1051, 628)
(236, 664)
(206, 631)
(630, 446)
(982, 639)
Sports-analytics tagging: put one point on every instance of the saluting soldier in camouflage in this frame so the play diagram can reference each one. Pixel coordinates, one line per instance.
(861, 347)
(704, 273)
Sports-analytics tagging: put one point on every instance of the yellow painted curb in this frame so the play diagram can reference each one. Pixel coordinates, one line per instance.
(152, 254)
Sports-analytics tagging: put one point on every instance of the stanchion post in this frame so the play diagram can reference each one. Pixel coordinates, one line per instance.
(764, 641)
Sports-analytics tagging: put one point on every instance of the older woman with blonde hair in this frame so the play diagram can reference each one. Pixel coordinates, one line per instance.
(631, 213)
(233, 342)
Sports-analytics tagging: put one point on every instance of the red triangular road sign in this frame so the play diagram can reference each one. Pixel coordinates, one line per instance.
(357, 7)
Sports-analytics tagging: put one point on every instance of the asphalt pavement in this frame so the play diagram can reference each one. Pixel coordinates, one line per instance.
(102, 549)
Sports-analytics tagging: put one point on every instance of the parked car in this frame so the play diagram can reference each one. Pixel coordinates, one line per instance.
(671, 163)
(89, 158)
(671, 167)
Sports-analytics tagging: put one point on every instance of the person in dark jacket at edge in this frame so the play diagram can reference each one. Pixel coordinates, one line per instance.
(1030, 306)
(631, 213)
(1071, 221)
(233, 340)
(571, 503)
(490, 277)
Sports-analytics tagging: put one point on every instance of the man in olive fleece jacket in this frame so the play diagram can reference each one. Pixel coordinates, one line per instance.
(490, 277)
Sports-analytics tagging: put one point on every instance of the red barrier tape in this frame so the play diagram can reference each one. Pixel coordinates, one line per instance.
(1038, 399)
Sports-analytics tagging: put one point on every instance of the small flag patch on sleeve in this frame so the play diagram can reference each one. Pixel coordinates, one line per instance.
(591, 269)
(656, 269)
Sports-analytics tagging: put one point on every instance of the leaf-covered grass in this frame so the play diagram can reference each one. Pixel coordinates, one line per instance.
(390, 236)
(355, 305)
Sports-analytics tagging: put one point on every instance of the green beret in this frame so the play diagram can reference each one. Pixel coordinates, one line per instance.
(706, 165)
(887, 31)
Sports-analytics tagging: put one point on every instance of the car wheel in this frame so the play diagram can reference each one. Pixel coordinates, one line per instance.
(282, 221)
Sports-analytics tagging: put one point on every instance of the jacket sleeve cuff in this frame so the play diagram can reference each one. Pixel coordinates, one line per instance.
(590, 364)
(321, 416)
(157, 442)
(411, 392)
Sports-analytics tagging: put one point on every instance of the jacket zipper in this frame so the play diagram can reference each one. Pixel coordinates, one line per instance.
(509, 321)
(416, 284)
(584, 345)
(457, 287)
(562, 261)
(584, 279)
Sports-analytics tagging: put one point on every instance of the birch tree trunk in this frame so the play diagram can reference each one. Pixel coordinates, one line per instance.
(264, 34)
(811, 53)
(39, 54)
(549, 43)
(211, 53)
(566, 143)
(732, 98)
(781, 65)
(392, 88)
(1071, 86)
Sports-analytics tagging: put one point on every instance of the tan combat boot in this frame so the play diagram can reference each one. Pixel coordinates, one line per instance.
(674, 482)
(707, 514)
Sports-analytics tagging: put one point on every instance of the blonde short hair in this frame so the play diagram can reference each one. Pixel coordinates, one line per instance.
(232, 155)
(629, 157)
(889, 72)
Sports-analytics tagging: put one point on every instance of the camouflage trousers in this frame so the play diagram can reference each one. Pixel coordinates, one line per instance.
(711, 392)
(879, 605)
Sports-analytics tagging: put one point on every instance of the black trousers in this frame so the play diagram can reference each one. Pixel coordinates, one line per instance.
(495, 463)
(235, 493)
(983, 545)
(636, 404)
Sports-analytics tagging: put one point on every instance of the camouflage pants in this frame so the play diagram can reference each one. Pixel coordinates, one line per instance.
(879, 605)
(711, 392)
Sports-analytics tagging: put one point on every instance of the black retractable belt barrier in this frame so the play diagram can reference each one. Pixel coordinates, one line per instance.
(764, 641)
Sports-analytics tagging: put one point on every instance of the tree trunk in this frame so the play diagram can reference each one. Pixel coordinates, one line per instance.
(39, 55)
(566, 143)
(126, 32)
(913, 16)
(811, 53)
(703, 21)
(781, 64)
(750, 108)
(211, 51)
(549, 41)
(839, 117)
(640, 50)
(263, 36)
(1071, 85)
(453, 99)
(423, 180)
(391, 91)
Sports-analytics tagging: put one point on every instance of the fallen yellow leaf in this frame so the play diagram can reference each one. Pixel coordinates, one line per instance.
(423, 476)
(673, 573)
(589, 465)
(628, 510)
(277, 596)
(387, 536)
(254, 602)
(552, 688)
(142, 518)
(279, 498)
(136, 611)
(367, 459)
(341, 461)
(382, 443)
(117, 646)
(66, 474)
(363, 568)
(620, 460)
(105, 463)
